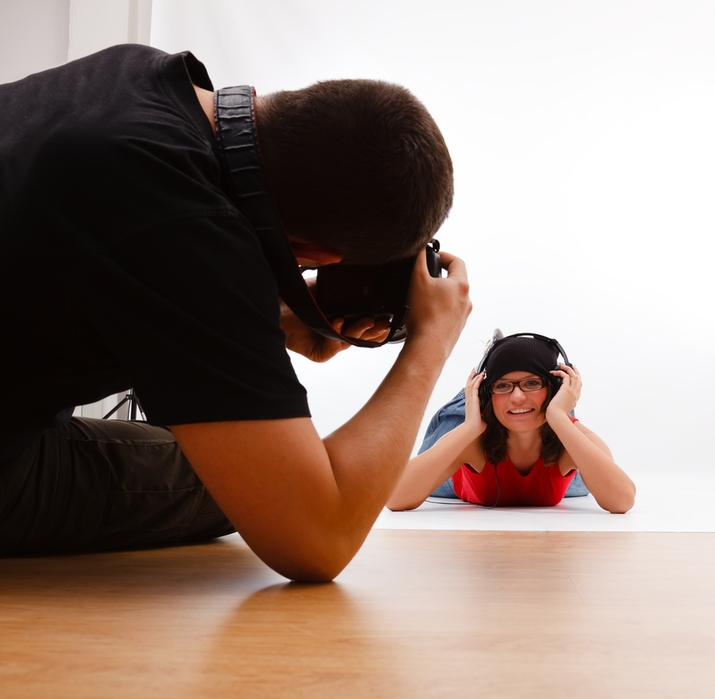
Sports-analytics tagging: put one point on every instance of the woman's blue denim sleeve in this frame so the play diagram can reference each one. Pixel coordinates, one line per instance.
(448, 417)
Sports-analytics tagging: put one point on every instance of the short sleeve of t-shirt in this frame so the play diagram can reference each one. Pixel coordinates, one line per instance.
(190, 309)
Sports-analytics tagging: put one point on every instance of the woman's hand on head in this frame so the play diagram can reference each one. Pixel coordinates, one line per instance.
(569, 392)
(473, 410)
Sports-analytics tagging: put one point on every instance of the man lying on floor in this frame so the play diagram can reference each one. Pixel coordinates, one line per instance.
(141, 231)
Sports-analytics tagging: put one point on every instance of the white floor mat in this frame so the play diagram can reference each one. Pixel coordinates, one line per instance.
(660, 507)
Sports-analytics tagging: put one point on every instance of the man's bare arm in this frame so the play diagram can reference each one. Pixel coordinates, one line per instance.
(303, 504)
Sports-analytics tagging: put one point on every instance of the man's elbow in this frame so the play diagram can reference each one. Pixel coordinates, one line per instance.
(310, 570)
(316, 562)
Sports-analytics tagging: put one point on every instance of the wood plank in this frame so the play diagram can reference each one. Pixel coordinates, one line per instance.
(417, 614)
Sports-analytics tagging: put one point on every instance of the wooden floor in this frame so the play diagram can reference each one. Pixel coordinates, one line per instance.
(417, 614)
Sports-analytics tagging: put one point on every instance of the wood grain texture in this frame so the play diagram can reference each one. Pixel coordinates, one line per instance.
(417, 614)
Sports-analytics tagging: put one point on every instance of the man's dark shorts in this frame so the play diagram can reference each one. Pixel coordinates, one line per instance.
(103, 484)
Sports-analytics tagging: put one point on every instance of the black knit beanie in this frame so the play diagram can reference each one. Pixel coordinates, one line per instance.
(521, 354)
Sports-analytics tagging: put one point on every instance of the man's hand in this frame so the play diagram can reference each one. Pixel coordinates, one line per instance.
(318, 348)
(439, 307)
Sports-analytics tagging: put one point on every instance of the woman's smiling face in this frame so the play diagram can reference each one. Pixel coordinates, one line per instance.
(520, 410)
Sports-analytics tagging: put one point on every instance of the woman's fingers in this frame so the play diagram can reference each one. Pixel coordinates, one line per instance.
(475, 378)
(566, 372)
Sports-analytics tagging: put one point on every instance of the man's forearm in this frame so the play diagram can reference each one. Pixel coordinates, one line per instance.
(369, 453)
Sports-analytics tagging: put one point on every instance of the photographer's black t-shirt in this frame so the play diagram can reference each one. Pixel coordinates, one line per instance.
(123, 263)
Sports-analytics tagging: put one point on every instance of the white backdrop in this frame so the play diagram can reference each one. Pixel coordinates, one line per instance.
(584, 149)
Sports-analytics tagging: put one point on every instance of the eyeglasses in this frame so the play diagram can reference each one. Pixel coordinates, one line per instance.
(526, 385)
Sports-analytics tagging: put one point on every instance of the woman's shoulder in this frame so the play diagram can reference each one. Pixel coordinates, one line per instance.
(473, 457)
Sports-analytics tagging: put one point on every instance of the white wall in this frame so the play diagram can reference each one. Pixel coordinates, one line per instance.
(583, 145)
(34, 36)
(97, 24)
(39, 34)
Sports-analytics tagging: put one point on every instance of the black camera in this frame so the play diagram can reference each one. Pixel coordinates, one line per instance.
(353, 292)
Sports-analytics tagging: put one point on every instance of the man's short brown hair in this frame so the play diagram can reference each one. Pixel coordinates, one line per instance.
(358, 166)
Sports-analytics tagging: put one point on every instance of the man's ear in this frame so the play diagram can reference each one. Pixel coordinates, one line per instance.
(313, 255)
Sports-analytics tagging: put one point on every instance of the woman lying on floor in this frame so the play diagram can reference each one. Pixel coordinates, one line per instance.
(524, 447)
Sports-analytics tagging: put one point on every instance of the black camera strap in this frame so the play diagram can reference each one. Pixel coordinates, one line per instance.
(238, 141)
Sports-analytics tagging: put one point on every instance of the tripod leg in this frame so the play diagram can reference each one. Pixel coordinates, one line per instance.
(116, 407)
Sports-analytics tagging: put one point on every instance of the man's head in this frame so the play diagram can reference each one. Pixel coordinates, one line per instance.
(356, 166)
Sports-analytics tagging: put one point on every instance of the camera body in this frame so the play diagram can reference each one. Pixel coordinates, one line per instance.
(353, 292)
